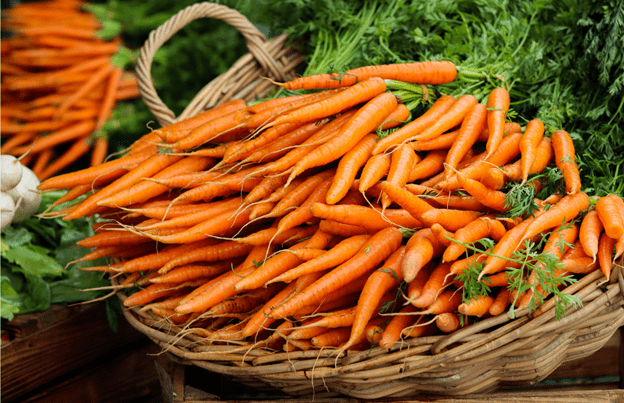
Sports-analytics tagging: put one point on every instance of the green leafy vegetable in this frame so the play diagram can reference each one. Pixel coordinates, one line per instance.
(34, 254)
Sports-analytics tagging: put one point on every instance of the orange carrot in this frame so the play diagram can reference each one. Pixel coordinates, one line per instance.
(339, 254)
(348, 168)
(478, 306)
(589, 235)
(211, 253)
(528, 146)
(401, 165)
(605, 254)
(432, 164)
(281, 263)
(374, 170)
(366, 217)
(501, 302)
(421, 249)
(497, 104)
(365, 120)
(565, 210)
(608, 209)
(429, 72)
(451, 118)
(378, 247)
(450, 219)
(378, 284)
(494, 199)
(473, 124)
(438, 279)
(565, 160)
(415, 127)
(473, 231)
(356, 94)
(79, 148)
(392, 333)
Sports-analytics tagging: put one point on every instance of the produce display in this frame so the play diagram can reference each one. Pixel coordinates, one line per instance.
(342, 205)
(62, 76)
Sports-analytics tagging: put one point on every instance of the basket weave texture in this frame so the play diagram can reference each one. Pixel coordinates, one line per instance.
(480, 358)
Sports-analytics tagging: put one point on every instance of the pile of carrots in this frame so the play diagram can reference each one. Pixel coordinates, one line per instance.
(333, 218)
(60, 83)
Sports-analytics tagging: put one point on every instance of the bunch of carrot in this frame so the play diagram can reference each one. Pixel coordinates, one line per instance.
(60, 83)
(333, 219)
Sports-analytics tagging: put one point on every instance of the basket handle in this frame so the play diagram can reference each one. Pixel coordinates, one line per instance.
(254, 38)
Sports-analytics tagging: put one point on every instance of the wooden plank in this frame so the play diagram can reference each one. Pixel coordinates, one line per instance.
(129, 377)
(594, 396)
(26, 324)
(32, 361)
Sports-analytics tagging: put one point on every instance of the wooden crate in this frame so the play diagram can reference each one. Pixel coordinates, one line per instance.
(599, 377)
(71, 354)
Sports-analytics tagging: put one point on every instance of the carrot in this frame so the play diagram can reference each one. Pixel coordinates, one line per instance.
(42, 160)
(264, 236)
(497, 105)
(75, 131)
(605, 254)
(282, 145)
(339, 254)
(109, 98)
(448, 322)
(415, 127)
(432, 164)
(528, 146)
(98, 77)
(415, 287)
(451, 118)
(308, 254)
(565, 160)
(208, 211)
(397, 117)
(332, 338)
(478, 306)
(284, 163)
(504, 248)
(565, 210)
(472, 232)
(214, 226)
(348, 168)
(192, 271)
(410, 202)
(493, 178)
(429, 72)
(155, 291)
(220, 288)
(501, 302)
(589, 235)
(143, 191)
(356, 94)
(79, 148)
(447, 301)
(426, 328)
(491, 198)
(374, 170)
(111, 169)
(442, 235)
(619, 248)
(342, 229)
(473, 124)
(152, 165)
(378, 247)
(608, 210)
(302, 213)
(100, 150)
(582, 265)
(421, 249)
(507, 151)
(401, 165)
(438, 279)
(392, 333)
(450, 219)
(437, 198)
(243, 303)
(210, 253)
(300, 194)
(365, 120)
(377, 286)
(281, 263)
(366, 217)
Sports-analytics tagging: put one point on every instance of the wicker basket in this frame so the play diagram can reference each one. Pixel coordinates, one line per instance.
(498, 351)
